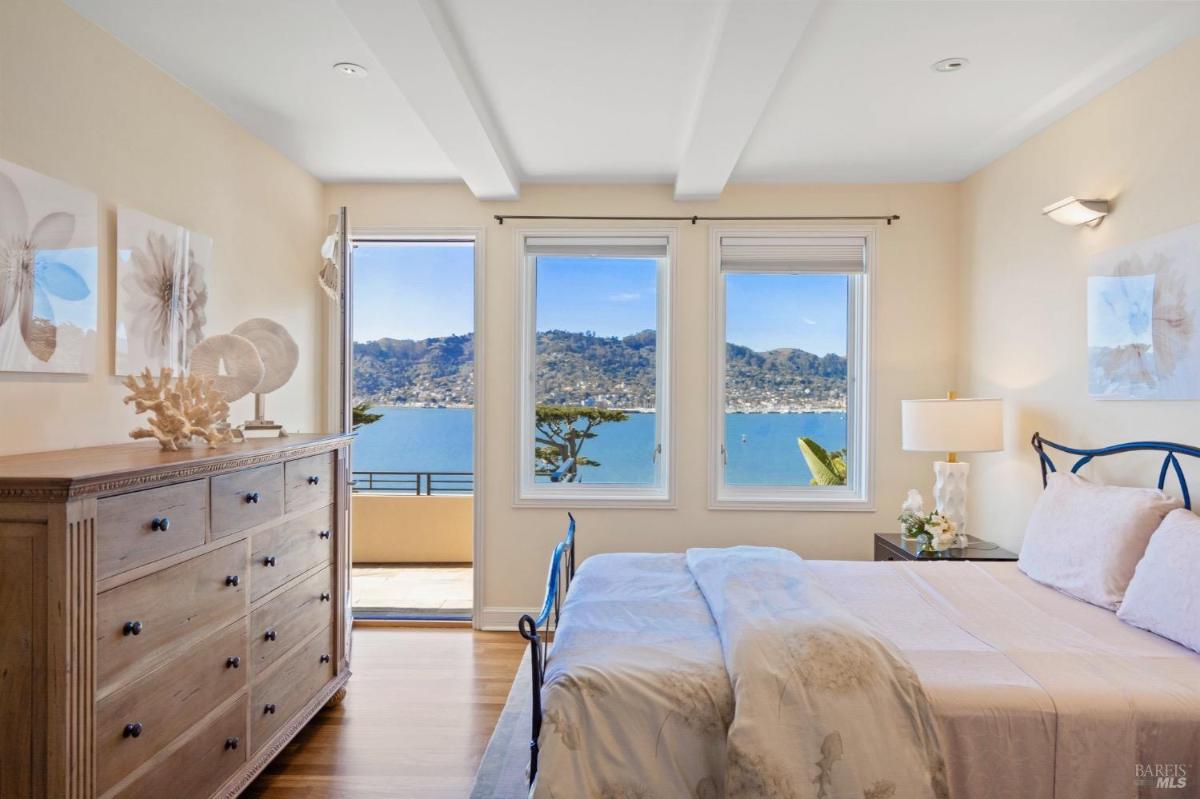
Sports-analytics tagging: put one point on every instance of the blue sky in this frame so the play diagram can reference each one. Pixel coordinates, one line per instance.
(764, 312)
(611, 296)
(413, 290)
(424, 290)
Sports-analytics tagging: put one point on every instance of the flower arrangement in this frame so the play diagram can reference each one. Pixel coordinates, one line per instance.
(935, 531)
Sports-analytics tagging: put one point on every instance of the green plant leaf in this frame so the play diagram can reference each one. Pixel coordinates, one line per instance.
(361, 415)
(828, 468)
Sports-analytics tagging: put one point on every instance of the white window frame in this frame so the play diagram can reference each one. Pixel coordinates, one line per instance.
(528, 492)
(858, 494)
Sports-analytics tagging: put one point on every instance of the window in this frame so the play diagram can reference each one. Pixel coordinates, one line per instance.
(595, 353)
(790, 355)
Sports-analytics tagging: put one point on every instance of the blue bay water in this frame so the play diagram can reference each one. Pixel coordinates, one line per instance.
(416, 440)
(762, 446)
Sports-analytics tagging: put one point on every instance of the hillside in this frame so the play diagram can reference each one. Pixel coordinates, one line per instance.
(578, 368)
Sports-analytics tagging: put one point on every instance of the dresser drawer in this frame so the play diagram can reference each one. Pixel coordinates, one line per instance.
(308, 482)
(166, 702)
(289, 685)
(283, 553)
(138, 623)
(145, 526)
(202, 763)
(240, 500)
(289, 618)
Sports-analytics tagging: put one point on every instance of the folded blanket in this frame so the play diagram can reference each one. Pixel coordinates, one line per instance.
(638, 701)
(823, 706)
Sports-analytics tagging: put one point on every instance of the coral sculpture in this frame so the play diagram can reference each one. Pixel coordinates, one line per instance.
(183, 408)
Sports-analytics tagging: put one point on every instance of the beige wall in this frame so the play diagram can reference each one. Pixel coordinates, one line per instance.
(77, 105)
(394, 528)
(914, 355)
(1023, 312)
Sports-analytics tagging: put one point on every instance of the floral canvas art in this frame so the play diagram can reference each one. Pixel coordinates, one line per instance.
(1142, 337)
(48, 269)
(161, 292)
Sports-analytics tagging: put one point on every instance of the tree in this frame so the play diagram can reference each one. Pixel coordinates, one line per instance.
(828, 468)
(360, 415)
(559, 438)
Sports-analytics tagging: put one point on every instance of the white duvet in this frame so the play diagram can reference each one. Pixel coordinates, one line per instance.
(736, 675)
(1034, 694)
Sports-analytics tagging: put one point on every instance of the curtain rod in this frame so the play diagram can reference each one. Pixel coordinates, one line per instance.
(889, 218)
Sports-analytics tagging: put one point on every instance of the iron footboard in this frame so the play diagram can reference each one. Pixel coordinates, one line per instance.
(538, 631)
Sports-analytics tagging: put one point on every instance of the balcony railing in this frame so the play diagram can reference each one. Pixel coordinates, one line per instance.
(418, 483)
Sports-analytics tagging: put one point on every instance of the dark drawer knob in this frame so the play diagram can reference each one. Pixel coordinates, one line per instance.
(252, 497)
(269, 709)
(325, 533)
(160, 523)
(132, 628)
(232, 579)
(325, 658)
(233, 662)
(269, 635)
(132, 730)
(269, 560)
(231, 743)
(325, 597)
(314, 479)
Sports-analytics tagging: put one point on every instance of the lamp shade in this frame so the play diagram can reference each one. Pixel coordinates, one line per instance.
(952, 425)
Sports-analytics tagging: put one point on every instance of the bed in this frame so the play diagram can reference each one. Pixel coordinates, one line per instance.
(669, 677)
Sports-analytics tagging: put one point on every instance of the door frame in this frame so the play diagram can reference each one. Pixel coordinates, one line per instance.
(477, 234)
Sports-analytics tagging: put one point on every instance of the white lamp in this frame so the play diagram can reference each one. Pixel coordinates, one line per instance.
(952, 425)
(1070, 211)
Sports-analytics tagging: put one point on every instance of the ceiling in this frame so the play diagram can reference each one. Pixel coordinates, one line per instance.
(698, 93)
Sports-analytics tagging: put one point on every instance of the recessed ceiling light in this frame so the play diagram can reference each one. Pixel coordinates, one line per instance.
(949, 64)
(350, 68)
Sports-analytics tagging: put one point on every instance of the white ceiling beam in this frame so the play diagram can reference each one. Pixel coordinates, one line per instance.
(414, 42)
(754, 43)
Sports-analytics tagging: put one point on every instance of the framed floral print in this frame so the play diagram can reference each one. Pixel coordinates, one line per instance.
(1143, 342)
(48, 271)
(161, 292)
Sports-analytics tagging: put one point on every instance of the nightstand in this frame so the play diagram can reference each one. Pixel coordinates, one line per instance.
(891, 546)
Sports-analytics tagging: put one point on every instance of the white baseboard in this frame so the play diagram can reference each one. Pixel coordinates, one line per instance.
(501, 619)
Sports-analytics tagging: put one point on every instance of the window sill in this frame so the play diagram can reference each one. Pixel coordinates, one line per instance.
(567, 496)
(816, 504)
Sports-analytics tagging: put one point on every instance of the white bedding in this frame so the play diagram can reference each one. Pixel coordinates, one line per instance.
(822, 705)
(1035, 694)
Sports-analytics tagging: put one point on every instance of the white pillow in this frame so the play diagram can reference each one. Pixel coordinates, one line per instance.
(1164, 595)
(1086, 539)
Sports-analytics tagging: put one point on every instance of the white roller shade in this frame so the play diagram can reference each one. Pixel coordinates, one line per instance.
(598, 246)
(839, 255)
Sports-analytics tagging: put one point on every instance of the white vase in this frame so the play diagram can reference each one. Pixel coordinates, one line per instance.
(950, 491)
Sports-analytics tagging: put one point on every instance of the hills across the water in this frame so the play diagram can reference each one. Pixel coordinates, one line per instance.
(586, 369)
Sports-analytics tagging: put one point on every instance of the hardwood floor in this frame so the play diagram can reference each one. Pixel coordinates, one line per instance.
(420, 708)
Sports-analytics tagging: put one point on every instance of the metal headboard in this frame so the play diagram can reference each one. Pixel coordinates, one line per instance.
(1170, 462)
(537, 631)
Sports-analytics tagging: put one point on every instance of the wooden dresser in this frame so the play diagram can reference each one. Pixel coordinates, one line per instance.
(168, 620)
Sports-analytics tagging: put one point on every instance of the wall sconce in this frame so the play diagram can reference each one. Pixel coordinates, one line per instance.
(1077, 212)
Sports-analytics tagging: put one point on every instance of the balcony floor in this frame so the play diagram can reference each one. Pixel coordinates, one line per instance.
(418, 589)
